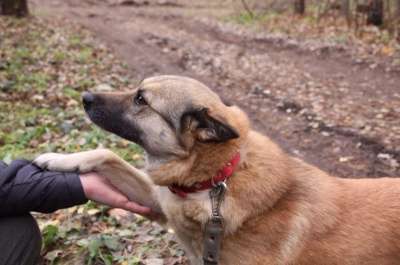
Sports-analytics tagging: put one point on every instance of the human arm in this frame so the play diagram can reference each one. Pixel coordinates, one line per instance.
(24, 187)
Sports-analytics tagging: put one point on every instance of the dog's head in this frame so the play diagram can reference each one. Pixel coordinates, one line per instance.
(168, 116)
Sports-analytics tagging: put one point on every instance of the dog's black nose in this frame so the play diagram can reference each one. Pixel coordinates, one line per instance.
(87, 99)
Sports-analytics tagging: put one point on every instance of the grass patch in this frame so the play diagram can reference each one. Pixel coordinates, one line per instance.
(329, 28)
(245, 18)
(43, 71)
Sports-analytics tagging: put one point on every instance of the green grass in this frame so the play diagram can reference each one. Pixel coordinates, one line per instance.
(43, 71)
(34, 58)
(245, 18)
(318, 25)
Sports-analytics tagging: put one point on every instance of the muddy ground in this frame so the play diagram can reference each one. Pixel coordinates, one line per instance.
(320, 103)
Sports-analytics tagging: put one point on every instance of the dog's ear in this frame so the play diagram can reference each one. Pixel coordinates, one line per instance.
(207, 127)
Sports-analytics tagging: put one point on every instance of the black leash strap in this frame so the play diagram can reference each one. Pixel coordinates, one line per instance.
(214, 230)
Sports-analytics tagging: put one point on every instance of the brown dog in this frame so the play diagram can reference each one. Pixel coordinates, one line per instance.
(277, 209)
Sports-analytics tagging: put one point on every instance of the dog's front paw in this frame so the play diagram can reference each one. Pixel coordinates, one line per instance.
(56, 162)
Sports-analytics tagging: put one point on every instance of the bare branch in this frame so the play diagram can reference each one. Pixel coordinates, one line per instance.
(247, 8)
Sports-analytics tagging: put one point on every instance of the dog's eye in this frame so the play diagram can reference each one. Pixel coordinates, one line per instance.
(139, 99)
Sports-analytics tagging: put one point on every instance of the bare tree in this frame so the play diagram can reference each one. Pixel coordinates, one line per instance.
(375, 12)
(398, 9)
(345, 8)
(398, 20)
(300, 6)
(14, 7)
(247, 8)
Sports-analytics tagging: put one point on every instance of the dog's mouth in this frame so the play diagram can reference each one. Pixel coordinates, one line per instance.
(110, 117)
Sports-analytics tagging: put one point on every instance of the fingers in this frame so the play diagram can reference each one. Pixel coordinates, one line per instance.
(121, 201)
(99, 189)
(136, 208)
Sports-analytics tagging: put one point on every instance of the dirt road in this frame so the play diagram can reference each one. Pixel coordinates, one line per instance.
(319, 104)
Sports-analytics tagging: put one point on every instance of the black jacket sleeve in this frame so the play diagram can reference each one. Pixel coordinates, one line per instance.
(25, 187)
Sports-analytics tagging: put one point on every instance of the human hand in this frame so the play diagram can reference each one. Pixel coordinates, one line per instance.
(99, 189)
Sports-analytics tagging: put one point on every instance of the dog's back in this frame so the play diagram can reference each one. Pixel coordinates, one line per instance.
(305, 216)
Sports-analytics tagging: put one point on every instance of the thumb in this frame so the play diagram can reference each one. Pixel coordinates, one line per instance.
(136, 208)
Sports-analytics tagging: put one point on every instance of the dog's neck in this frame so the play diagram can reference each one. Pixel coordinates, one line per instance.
(203, 163)
(204, 159)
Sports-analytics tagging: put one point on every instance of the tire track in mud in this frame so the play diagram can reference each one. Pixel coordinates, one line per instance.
(235, 67)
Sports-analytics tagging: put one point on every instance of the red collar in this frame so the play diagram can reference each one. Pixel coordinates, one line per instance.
(222, 175)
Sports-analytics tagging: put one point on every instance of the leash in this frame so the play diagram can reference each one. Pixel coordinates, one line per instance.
(214, 230)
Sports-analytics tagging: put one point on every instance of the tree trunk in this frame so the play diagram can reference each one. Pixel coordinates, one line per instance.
(398, 20)
(345, 8)
(300, 7)
(17, 8)
(375, 13)
(398, 9)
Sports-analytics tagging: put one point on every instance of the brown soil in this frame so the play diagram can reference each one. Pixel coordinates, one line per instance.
(321, 105)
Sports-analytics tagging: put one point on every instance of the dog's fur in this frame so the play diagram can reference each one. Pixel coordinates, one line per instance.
(277, 210)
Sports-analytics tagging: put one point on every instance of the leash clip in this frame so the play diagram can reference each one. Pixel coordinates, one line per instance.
(214, 230)
(217, 194)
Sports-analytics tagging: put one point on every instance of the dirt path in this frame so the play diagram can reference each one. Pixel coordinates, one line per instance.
(321, 106)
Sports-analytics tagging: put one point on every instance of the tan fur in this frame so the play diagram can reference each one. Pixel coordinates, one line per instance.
(277, 210)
